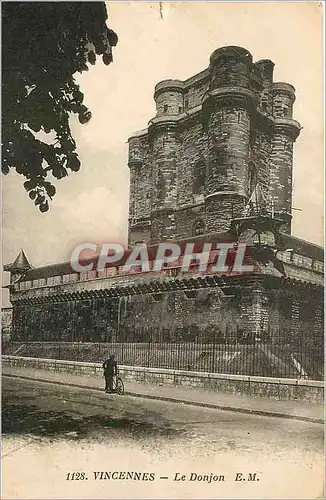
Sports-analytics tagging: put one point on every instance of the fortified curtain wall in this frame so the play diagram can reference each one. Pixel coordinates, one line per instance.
(240, 310)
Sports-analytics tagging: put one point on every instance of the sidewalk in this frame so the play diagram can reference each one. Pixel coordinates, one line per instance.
(311, 412)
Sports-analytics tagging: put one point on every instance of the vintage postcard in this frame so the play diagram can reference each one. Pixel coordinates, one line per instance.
(163, 266)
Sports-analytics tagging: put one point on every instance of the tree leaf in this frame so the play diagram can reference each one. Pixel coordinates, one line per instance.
(44, 207)
(44, 45)
(73, 163)
(50, 190)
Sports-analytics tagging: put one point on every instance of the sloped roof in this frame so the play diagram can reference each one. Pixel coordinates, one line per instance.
(48, 271)
(303, 247)
(66, 268)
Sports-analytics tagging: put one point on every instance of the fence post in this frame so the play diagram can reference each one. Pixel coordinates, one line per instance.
(122, 352)
(148, 352)
(213, 361)
(178, 354)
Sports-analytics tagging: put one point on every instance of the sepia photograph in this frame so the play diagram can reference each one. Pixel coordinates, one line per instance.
(162, 306)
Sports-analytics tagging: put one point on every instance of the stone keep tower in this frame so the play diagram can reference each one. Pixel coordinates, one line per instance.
(215, 138)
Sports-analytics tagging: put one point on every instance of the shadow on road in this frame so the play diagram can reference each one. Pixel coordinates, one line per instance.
(25, 419)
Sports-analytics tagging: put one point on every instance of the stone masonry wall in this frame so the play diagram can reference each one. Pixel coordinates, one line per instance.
(278, 389)
(193, 148)
(281, 172)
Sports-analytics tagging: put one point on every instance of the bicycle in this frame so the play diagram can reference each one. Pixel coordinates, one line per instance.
(119, 387)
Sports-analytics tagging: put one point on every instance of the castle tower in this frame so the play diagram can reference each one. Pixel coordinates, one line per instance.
(230, 104)
(216, 138)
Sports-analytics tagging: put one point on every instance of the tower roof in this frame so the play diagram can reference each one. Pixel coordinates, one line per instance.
(21, 263)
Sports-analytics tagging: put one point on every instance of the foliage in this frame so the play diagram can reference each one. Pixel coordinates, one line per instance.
(44, 45)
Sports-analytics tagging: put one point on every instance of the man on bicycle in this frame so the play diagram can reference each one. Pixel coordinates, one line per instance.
(110, 367)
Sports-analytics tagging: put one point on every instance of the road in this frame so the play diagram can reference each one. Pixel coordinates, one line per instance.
(84, 429)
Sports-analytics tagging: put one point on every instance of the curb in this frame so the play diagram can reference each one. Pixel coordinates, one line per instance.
(263, 413)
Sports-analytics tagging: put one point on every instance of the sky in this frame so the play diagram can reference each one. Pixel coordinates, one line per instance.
(176, 42)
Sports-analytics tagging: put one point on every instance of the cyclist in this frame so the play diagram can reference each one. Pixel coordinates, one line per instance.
(110, 367)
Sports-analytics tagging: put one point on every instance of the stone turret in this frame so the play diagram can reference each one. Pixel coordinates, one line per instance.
(286, 131)
(168, 97)
(231, 104)
(164, 140)
(18, 267)
(266, 70)
(140, 193)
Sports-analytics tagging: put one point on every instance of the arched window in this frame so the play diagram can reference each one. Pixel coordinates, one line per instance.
(199, 228)
(199, 178)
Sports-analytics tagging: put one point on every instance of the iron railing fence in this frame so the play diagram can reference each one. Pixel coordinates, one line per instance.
(276, 358)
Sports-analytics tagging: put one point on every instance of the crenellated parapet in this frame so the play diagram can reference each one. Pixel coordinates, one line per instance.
(230, 67)
(168, 97)
(283, 99)
(288, 127)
